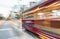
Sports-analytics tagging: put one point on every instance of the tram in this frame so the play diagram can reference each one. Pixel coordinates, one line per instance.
(43, 22)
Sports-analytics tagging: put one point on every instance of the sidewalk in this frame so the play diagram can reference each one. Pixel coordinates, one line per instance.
(22, 34)
(17, 24)
(2, 21)
(20, 30)
(15, 20)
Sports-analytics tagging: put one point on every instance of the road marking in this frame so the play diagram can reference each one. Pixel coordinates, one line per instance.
(5, 29)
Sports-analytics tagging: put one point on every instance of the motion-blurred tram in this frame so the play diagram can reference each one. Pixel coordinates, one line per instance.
(46, 34)
(46, 21)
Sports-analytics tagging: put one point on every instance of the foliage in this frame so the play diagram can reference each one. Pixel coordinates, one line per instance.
(1, 18)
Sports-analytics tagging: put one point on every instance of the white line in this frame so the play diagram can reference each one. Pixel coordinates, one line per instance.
(5, 29)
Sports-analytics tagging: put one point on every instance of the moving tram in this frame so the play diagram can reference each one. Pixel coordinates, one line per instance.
(44, 20)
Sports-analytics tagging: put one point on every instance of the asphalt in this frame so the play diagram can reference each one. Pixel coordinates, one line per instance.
(8, 32)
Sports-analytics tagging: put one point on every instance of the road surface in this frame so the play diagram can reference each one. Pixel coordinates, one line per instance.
(8, 32)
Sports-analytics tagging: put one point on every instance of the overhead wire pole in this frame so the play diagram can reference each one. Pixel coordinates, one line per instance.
(9, 16)
(19, 13)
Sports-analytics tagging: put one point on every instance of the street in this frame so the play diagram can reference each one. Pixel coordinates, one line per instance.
(8, 32)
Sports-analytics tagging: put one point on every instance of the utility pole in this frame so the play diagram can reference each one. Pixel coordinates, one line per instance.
(9, 17)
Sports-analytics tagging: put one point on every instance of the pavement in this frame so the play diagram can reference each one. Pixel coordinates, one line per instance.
(2, 21)
(10, 31)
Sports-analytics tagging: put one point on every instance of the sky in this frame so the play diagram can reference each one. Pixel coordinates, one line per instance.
(6, 5)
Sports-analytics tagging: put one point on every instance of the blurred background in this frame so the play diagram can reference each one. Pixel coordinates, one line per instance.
(29, 19)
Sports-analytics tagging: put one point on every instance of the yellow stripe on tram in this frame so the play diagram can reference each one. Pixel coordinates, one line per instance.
(43, 37)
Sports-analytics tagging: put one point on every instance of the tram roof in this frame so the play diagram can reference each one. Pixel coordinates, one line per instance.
(48, 2)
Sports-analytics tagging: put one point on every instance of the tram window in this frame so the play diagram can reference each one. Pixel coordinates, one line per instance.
(29, 23)
(30, 16)
(55, 13)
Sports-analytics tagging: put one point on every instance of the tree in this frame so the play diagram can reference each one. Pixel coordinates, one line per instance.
(1, 17)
